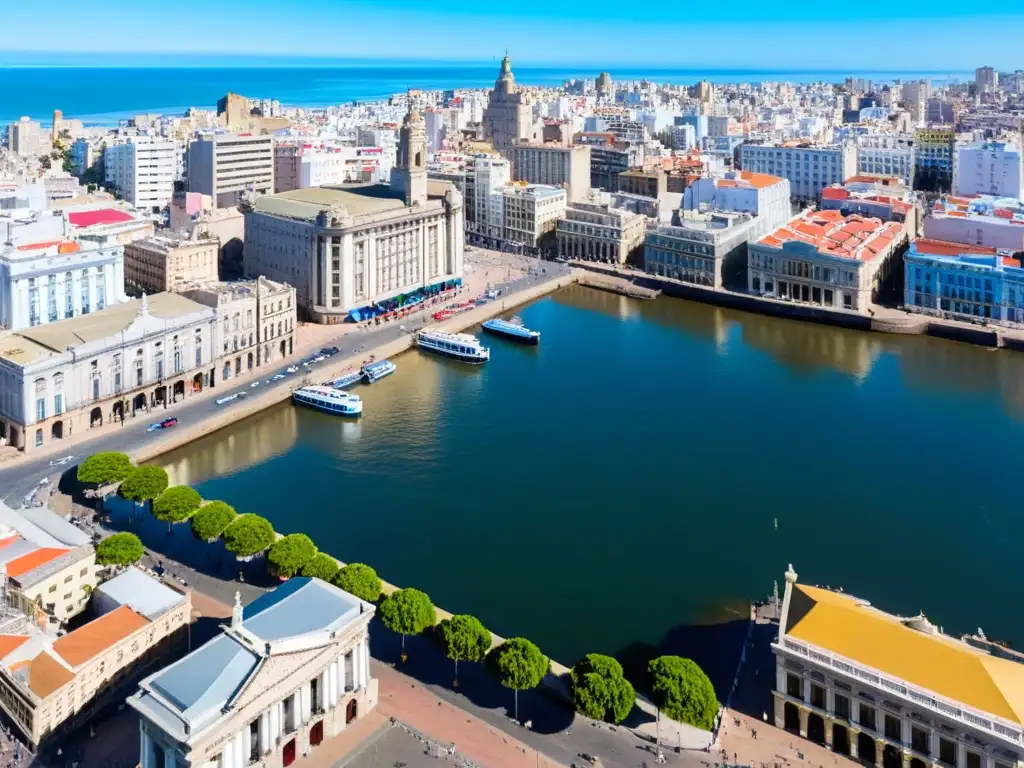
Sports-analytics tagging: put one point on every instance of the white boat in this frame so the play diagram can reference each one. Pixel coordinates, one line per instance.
(378, 370)
(460, 346)
(512, 329)
(329, 400)
(348, 379)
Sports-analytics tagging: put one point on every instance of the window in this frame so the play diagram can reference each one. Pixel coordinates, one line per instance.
(920, 741)
(893, 728)
(947, 751)
(794, 686)
(199, 351)
(867, 717)
(39, 437)
(53, 588)
(68, 578)
(96, 388)
(817, 696)
(842, 706)
(83, 571)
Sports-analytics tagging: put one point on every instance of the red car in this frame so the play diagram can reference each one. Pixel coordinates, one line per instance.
(168, 422)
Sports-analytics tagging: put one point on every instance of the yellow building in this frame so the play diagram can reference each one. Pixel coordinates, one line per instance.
(891, 690)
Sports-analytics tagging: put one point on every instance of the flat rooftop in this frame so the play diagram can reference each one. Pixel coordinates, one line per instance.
(850, 237)
(356, 200)
(1008, 210)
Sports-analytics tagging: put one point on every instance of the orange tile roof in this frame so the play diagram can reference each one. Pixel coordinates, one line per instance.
(1008, 262)
(85, 642)
(46, 675)
(19, 566)
(10, 643)
(851, 237)
(759, 180)
(926, 245)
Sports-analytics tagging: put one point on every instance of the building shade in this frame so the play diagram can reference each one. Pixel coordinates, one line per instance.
(948, 667)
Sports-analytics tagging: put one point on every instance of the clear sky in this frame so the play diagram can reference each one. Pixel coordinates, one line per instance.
(941, 35)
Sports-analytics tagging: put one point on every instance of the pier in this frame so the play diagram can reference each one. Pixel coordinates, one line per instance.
(619, 285)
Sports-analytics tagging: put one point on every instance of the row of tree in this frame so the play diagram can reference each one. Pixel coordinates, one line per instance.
(600, 689)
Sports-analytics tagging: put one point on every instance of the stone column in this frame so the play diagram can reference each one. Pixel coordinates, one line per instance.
(780, 678)
(906, 759)
(879, 752)
(807, 691)
(934, 742)
(264, 729)
(852, 736)
(274, 721)
(828, 732)
(803, 721)
(961, 754)
(854, 710)
(341, 676)
(905, 732)
(227, 757)
(366, 662)
(830, 701)
(357, 666)
(780, 710)
(170, 761)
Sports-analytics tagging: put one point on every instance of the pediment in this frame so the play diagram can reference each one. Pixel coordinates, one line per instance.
(278, 674)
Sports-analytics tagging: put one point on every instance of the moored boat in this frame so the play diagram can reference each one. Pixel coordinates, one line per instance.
(329, 400)
(460, 346)
(378, 370)
(348, 379)
(512, 329)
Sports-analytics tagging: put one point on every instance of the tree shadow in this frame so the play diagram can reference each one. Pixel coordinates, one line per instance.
(427, 664)
(68, 485)
(211, 559)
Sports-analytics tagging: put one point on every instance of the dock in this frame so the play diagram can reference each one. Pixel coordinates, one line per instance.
(617, 285)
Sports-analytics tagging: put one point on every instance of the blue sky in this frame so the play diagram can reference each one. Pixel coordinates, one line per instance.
(953, 36)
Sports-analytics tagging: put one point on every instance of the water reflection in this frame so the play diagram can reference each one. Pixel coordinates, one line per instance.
(806, 347)
(254, 440)
(596, 300)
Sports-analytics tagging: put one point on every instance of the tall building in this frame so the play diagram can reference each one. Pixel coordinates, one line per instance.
(604, 86)
(291, 671)
(486, 179)
(26, 138)
(50, 272)
(989, 168)
(532, 212)
(886, 154)
(933, 159)
(554, 165)
(142, 168)
(986, 79)
(893, 690)
(508, 118)
(168, 260)
(808, 167)
(914, 96)
(228, 166)
(356, 250)
(764, 196)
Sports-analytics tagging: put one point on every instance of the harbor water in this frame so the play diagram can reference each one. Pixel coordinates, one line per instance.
(653, 465)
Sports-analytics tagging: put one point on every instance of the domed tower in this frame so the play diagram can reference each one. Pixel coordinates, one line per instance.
(506, 82)
(409, 176)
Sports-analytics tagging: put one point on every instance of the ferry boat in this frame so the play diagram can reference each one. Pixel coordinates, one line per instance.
(512, 329)
(348, 379)
(329, 400)
(461, 346)
(378, 370)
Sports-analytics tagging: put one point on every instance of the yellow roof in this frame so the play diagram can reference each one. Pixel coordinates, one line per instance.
(941, 664)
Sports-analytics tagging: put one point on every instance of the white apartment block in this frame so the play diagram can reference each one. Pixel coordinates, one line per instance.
(986, 220)
(886, 154)
(299, 166)
(49, 273)
(227, 166)
(168, 260)
(486, 179)
(554, 165)
(531, 212)
(763, 195)
(26, 138)
(989, 168)
(808, 168)
(143, 169)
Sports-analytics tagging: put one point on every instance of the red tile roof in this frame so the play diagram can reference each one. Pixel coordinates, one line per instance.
(101, 216)
(22, 565)
(926, 245)
(852, 237)
(85, 642)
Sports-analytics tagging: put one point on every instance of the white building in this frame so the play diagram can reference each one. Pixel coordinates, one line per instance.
(486, 179)
(554, 165)
(989, 168)
(706, 249)
(226, 166)
(298, 166)
(49, 272)
(886, 154)
(763, 195)
(142, 168)
(989, 221)
(26, 138)
(825, 259)
(598, 232)
(60, 379)
(532, 211)
(355, 250)
(892, 690)
(809, 168)
(291, 670)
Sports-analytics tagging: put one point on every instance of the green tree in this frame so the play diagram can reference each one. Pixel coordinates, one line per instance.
(520, 666)
(143, 484)
(407, 612)
(288, 555)
(211, 520)
(176, 505)
(120, 549)
(681, 690)
(599, 689)
(360, 580)
(464, 638)
(104, 468)
(322, 566)
(248, 535)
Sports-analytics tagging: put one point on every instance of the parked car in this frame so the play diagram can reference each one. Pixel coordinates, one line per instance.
(292, 368)
(170, 421)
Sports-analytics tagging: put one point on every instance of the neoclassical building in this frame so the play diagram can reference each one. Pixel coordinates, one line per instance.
(894, 691)
(508, 117)
(292, 670)
(353, 251)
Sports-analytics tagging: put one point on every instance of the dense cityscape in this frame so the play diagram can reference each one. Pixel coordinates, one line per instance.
(174, 275)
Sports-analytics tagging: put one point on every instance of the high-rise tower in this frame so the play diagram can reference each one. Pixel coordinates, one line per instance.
(409, 177)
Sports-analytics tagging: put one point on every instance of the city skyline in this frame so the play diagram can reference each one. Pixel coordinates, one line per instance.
(952, 37)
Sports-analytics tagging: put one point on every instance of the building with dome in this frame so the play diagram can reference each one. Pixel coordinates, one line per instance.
(508, 118)
(893, 691)
(354, 251)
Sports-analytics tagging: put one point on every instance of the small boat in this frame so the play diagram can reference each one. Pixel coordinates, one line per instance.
(348, 379)
(329, 400)
(378, 370)
(512, 329)
(460, 346)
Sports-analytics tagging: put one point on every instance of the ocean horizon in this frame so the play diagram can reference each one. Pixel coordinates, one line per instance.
(101, 95)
